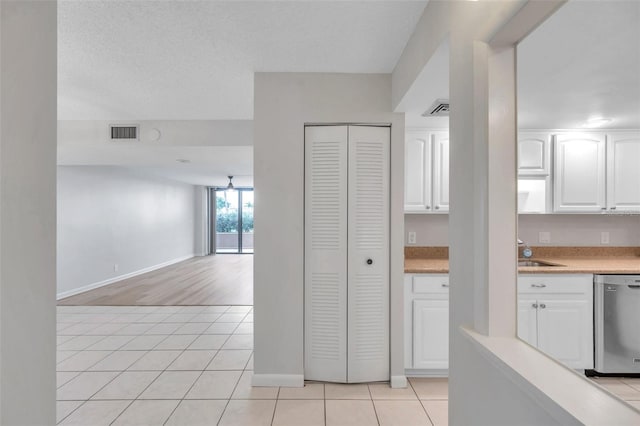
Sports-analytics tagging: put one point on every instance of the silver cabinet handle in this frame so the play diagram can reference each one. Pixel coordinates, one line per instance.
(613, 208)
(534, 305)
(603, 208)
(542, 305)
(538, 285)
(445, 285)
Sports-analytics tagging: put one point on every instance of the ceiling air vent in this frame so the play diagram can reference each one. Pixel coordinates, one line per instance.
(126, 132)
(440, 108)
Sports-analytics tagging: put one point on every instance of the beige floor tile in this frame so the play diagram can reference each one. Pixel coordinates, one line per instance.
(153, 317)
(254, 413)
(179, 317)
(309, 391)
(144, 342)
(192, 360)
(208, 341)
(106, 329)
(63, 377)
(218, 309)
(193, 328)
(63, 355)
(111, 343)
(128, 385)
(230, 360)
(81, 361)
(635, 404)
(85, 385)
(118, 361)
(61, 339)
(239, 341)
(633, 382)
(299, 413)
(136, 329)
(619, 388)
(176, 342)
(146, 413)
(205, 317)
(244, 390)
(221, 328)
(431, 388)
(79, 343)
(239, 309)
(155, 360)
(231, 317)
(384, 391)
(64, 408)
(438, 411)
(401, 413)
(244, 328)
(171, 385)
(214, 385)
(95, 413)
(164, 328)
(350, 413)
(348, 391)
(197, 413)
(191, 309)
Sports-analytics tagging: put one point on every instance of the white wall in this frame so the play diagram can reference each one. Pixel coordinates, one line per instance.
(110, 215)
(27, 212)
(565, 230)
(283, 103)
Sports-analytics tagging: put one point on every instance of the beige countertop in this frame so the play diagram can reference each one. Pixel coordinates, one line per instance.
(570, 260)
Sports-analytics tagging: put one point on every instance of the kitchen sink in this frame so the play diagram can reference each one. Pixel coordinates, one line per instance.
(535, 263)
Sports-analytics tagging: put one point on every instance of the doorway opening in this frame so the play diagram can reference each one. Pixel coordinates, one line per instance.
(233, 220)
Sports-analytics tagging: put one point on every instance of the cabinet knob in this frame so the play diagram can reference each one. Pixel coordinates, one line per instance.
(603, 208)
(369, 261)
(542, 306)
(428, 207)
(445, 285)
(437, 207)
(613, 208)
(534, 305)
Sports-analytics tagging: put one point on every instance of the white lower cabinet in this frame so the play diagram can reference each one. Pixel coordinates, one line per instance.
(427, 321)
(555, 314)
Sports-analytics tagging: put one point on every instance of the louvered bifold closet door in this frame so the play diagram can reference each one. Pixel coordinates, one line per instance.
(326, 253)
(368, 246)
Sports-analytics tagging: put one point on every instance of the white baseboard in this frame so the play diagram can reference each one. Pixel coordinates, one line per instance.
(398, 382)
(412, 372)
(120, 277)
(284, 380)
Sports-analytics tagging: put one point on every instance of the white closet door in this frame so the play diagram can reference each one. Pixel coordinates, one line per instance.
(368, 246)
(325, 253)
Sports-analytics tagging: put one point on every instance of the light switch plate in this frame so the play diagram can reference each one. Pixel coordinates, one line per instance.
(604, 237)
(544, 237)
(412, 237)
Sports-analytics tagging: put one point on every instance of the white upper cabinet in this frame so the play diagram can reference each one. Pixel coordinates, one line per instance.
(534, 154)
(623, 171)
(441, 171)
(426, 182)
(417, 172)
(579, 172)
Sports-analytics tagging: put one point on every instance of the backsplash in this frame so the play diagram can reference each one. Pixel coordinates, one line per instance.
(564, 230)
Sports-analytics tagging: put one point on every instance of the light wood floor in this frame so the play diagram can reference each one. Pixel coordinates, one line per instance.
(224, 279)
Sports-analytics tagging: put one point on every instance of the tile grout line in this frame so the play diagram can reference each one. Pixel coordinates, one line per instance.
(373, 404)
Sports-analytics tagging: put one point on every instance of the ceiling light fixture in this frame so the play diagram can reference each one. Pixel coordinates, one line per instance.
(596, 122)
(230, 186)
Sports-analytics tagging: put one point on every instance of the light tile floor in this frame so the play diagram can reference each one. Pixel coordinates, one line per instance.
(192, 365)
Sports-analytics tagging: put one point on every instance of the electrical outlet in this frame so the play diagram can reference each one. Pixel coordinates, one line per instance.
(604, 237)
(115, 267)
(544, 237)
(412, 237)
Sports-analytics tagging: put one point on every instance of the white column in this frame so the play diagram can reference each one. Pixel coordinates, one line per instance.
(28, 38)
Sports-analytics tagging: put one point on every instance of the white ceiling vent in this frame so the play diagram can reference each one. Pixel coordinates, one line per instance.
(124, 132)
(440, 108)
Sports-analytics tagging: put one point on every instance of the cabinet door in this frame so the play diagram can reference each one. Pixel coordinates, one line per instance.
(368, 253)
(623, 171)
(431, 334)
(565, 331)
(533, 154)
(441, 172)
(579, 181)
(527, 321)
(417, 172)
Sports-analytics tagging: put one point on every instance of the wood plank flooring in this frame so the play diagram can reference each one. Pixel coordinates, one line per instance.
(225, 279)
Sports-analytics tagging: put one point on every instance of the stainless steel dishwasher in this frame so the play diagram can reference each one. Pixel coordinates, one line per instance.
(617, 325)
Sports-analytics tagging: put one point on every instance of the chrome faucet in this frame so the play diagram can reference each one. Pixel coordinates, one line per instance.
(526, 252)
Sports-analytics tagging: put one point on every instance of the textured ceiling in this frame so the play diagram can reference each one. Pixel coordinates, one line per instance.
(195, 60)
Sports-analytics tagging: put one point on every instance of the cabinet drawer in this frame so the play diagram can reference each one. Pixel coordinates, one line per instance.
(558, 284)
(432, 283)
